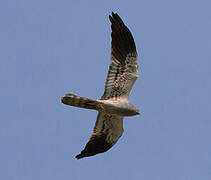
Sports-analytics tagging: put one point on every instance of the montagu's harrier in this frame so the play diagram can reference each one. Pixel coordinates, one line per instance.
(114, 104)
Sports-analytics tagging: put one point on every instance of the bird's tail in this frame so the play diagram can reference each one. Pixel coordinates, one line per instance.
(77, 101)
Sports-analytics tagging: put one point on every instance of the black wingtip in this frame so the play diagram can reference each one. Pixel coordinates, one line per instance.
(111, 19)
(122, 40)
(96, 145)
(113, 15)
(79, 156)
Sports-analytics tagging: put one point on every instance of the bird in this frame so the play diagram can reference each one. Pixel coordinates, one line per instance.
(114, 104)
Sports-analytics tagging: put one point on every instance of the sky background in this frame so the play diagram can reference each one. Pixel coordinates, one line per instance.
(49, 48)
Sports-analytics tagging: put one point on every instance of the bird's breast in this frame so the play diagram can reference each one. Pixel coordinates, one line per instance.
(117, 107)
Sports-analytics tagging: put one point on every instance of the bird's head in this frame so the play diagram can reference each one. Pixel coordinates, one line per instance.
(137, 112)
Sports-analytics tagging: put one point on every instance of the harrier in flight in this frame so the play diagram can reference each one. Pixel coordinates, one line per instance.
(114, 104)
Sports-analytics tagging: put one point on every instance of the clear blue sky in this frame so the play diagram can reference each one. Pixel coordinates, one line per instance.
(49, 48)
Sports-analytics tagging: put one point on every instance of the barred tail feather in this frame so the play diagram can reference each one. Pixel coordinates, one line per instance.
(77, 101)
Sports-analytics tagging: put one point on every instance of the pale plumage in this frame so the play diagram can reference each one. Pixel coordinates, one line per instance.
(114, 104)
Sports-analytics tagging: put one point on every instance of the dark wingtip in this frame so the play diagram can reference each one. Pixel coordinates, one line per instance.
(79, 156)
(113, 15)
(97, 144)
(122, 42)
(111, 19)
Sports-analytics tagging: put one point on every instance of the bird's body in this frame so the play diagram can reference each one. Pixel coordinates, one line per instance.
(114, 104)
(119, 107)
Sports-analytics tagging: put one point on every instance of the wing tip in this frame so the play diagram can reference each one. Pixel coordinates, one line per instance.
(115, 19)
(79, 156)
(122, 42)
(96, 145)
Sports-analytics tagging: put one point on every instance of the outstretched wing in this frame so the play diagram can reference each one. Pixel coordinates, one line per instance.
(108, 129)
(123, 70)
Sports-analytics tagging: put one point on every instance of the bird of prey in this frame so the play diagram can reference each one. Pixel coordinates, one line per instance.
(114, 104)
